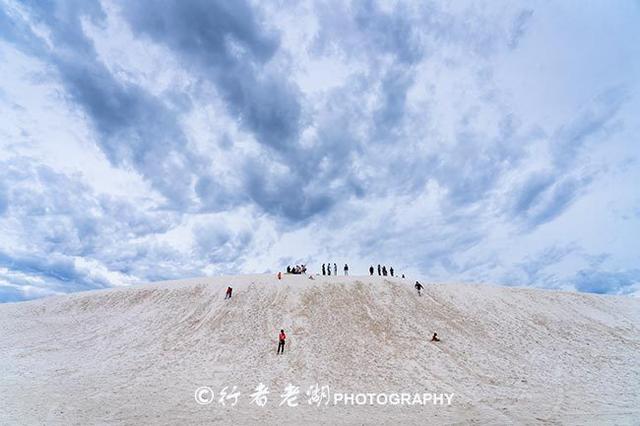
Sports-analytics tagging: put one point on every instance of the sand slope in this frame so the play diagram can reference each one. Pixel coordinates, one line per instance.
(136, 355)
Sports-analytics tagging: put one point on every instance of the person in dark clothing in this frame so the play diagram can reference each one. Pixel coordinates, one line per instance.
(288, 269)
(391, 271)
(229, 291)
(418, 287)
(335, 269)
(379, 271)
(323, 270)
(371, 270)
(402, 275)
(435, 338)
(281, 340)
(346, 269)
(328, 269)
(384, 271)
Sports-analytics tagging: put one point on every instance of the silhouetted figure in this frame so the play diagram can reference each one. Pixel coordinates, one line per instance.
(384, 271)
(346, 269)
(228, 294)
(418, 287)
(281, 340)
(335, 269)
(328, 269)
(391, 271)
(379, 270)
(288, 269)
(402, 275)
(371, 270)
(435, 338)
(323, 270)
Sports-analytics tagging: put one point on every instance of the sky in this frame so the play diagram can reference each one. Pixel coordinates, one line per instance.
(476, 141)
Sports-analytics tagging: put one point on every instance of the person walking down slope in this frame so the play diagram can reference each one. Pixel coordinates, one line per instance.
(391, 271)
(371, 270)
(228, 294)
(346, 269)
(281, 340)
(418, 287)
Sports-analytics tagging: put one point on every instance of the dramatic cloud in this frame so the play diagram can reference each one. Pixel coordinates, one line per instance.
(481, 142)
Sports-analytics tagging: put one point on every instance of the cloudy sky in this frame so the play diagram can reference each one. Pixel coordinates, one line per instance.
(490, 141)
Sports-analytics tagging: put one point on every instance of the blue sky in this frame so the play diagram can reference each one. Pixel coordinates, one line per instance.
(485, 141)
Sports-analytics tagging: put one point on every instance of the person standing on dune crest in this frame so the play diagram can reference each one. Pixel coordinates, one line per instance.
(281, 340)
(335, 269)
(371, 270)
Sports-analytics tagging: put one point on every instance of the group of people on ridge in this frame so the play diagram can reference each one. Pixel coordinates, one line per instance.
(298, 269)
(382, 271)
(326, 270)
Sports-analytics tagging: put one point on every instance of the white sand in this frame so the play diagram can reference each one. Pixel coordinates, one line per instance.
(136, 355)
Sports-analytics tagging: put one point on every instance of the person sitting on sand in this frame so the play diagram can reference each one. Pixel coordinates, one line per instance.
(435, 338)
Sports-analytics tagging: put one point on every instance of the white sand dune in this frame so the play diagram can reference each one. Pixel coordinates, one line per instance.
(136, 355)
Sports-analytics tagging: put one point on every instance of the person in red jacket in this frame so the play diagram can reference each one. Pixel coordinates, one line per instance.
(229, 291)
(281, 339)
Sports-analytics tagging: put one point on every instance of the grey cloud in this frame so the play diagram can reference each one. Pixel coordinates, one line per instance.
(560, 197)
(11, 294)
(545, 195)
(530, 191)
(284, 195)
(519, 28)
(362, 28)
(135, 129)
(227, 45)
(4, 199)
(594, 281)
(394, 87)
(59, 217)
(59, 271)
(219, 244)
(594, 118)
(534, 266)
